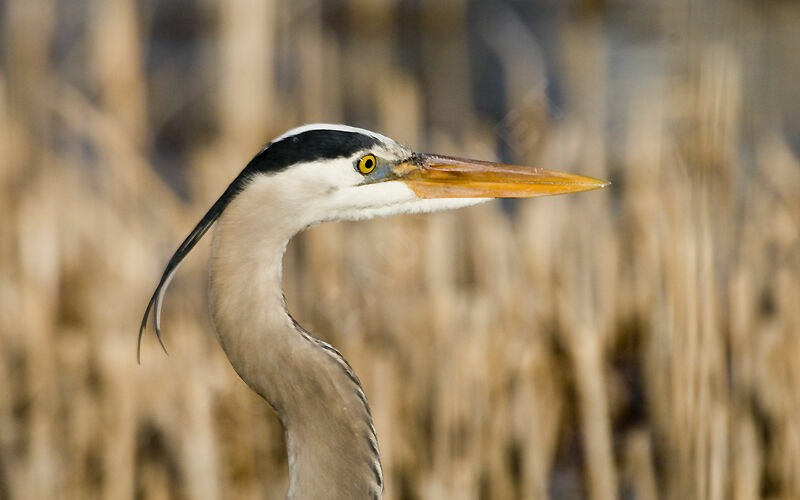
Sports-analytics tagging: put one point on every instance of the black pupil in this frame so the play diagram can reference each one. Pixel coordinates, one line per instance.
(368, 163)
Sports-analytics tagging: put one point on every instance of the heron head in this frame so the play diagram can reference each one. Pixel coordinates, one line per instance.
(330, 172)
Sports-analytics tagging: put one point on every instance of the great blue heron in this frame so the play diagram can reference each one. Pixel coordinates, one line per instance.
(312, 174)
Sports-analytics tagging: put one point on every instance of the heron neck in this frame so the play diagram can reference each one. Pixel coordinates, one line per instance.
(329, 432)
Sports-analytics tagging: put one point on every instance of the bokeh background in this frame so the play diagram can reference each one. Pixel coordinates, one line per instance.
(639, 342)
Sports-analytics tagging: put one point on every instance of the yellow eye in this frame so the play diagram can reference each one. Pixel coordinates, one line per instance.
(366, 164)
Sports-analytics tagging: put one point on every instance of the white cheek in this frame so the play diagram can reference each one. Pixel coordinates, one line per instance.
(331, 173)
(387, 198)
(362, 202)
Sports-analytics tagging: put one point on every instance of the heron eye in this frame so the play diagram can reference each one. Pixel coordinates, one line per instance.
(366, 164)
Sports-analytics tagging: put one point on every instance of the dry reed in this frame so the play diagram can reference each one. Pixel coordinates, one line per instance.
(639, 342)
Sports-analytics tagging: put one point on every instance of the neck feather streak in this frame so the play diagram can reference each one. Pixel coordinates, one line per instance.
(331, 441)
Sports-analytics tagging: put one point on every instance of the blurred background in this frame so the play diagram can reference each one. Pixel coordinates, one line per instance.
(639, 342)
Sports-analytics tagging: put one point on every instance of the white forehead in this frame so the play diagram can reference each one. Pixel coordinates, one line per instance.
(387, 143)
(331, 126)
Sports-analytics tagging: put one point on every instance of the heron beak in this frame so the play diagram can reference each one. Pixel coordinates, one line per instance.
(437, 176)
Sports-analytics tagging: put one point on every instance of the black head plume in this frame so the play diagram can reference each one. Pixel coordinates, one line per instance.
(199, 230)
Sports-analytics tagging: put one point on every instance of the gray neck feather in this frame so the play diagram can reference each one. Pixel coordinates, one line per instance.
(330, 437)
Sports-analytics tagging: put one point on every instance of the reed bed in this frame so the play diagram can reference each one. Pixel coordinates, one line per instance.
(638, 342)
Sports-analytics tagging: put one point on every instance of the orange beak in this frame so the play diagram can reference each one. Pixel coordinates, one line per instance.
(437, 176)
